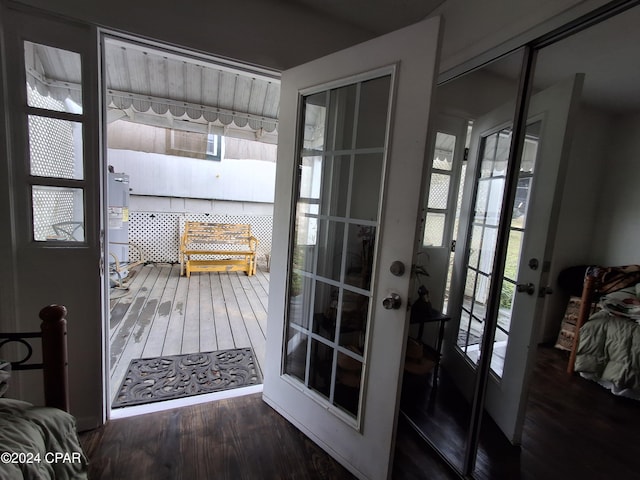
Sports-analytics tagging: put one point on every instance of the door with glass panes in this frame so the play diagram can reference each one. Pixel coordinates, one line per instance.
(352, 140)
(54, 185)
(441, 209)
(532, 224)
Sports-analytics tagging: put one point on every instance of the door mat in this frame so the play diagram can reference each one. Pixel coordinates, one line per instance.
(177, 376)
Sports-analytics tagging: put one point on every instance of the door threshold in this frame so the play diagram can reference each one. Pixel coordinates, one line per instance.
(132, 411)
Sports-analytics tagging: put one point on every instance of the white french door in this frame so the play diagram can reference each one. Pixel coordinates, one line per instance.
(531, 233)
(54, 186)
(440, 206)
(351, 151)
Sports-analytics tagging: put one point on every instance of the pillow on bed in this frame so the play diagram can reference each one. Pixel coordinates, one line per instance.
(624, 303)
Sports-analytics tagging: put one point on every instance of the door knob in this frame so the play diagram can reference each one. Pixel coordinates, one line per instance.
(529, 288)
(392, 302)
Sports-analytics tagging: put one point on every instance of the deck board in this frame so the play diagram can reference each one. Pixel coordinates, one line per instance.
(224, 333)
(175, 329)
(208, 339)
(163, 313)
(154, 344)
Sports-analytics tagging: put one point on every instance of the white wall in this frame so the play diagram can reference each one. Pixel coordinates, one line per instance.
(617, 227)
(172, 176)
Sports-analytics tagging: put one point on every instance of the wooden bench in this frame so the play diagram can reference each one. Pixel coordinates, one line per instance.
(217, 247)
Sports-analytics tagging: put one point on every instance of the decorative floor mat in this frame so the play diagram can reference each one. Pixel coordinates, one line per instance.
(177, 376)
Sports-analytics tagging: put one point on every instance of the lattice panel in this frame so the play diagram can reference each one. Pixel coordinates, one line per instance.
(157, 235)
(51, 147)
(50, 141)
(50, 207)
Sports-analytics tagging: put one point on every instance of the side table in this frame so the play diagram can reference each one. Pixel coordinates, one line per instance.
(433, 317)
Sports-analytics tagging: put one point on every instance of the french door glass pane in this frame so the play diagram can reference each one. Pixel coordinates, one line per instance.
(337, 217)
(335, 187)
(55, 148)
(514, 247)
(439, 191)
(365, 195)
(443, 155)
(488, 206)
(372, 113)
(434, 229)
(45, 66)
(58, 213)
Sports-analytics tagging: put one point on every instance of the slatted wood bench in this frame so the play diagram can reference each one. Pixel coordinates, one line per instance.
(217, 247)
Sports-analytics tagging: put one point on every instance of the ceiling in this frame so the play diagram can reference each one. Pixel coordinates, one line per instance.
(159, 88)
(377, 16)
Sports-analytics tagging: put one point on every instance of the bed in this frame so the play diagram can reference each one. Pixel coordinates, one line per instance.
(40, 442)
(607, 346)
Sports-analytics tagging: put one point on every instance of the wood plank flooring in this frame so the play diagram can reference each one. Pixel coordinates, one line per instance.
(573, 429)
(162, 313)
(232, 439)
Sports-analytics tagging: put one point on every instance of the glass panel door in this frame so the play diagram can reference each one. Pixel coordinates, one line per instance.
(514, 247)
(490, 184)
(50, 70)
(337, 309)
(340, 176)
(55, 138)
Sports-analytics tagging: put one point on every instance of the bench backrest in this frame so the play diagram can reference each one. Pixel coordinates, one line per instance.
(205, 236)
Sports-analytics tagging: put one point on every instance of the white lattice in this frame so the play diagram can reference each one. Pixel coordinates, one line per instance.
(157, 235)
(50, 206)
(51, 154)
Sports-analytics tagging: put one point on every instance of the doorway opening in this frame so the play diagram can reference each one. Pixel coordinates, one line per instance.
(189, 140)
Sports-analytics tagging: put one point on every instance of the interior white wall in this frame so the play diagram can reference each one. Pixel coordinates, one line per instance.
(617, 226)
(172, 176)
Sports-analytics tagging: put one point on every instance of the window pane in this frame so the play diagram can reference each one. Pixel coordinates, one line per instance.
(54, 78)
(296, 354)
(434, 229)
(341, 118)
(348, 383)
(58, 214)
(353, 324)
(335, 185)
(360, 248)
(321, 367)
(372, 113)
(439, 191)
(55, 148)
(443, 155)
(326, 310)
(330, 243)
(365, 186)
(315, 112)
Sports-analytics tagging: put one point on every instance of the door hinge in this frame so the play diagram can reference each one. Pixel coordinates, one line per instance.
(453, 246)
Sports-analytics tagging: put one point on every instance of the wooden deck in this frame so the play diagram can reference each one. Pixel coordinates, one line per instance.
(163, 313)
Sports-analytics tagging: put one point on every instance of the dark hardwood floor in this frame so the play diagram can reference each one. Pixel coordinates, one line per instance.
(234, 439)
(574, 429)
